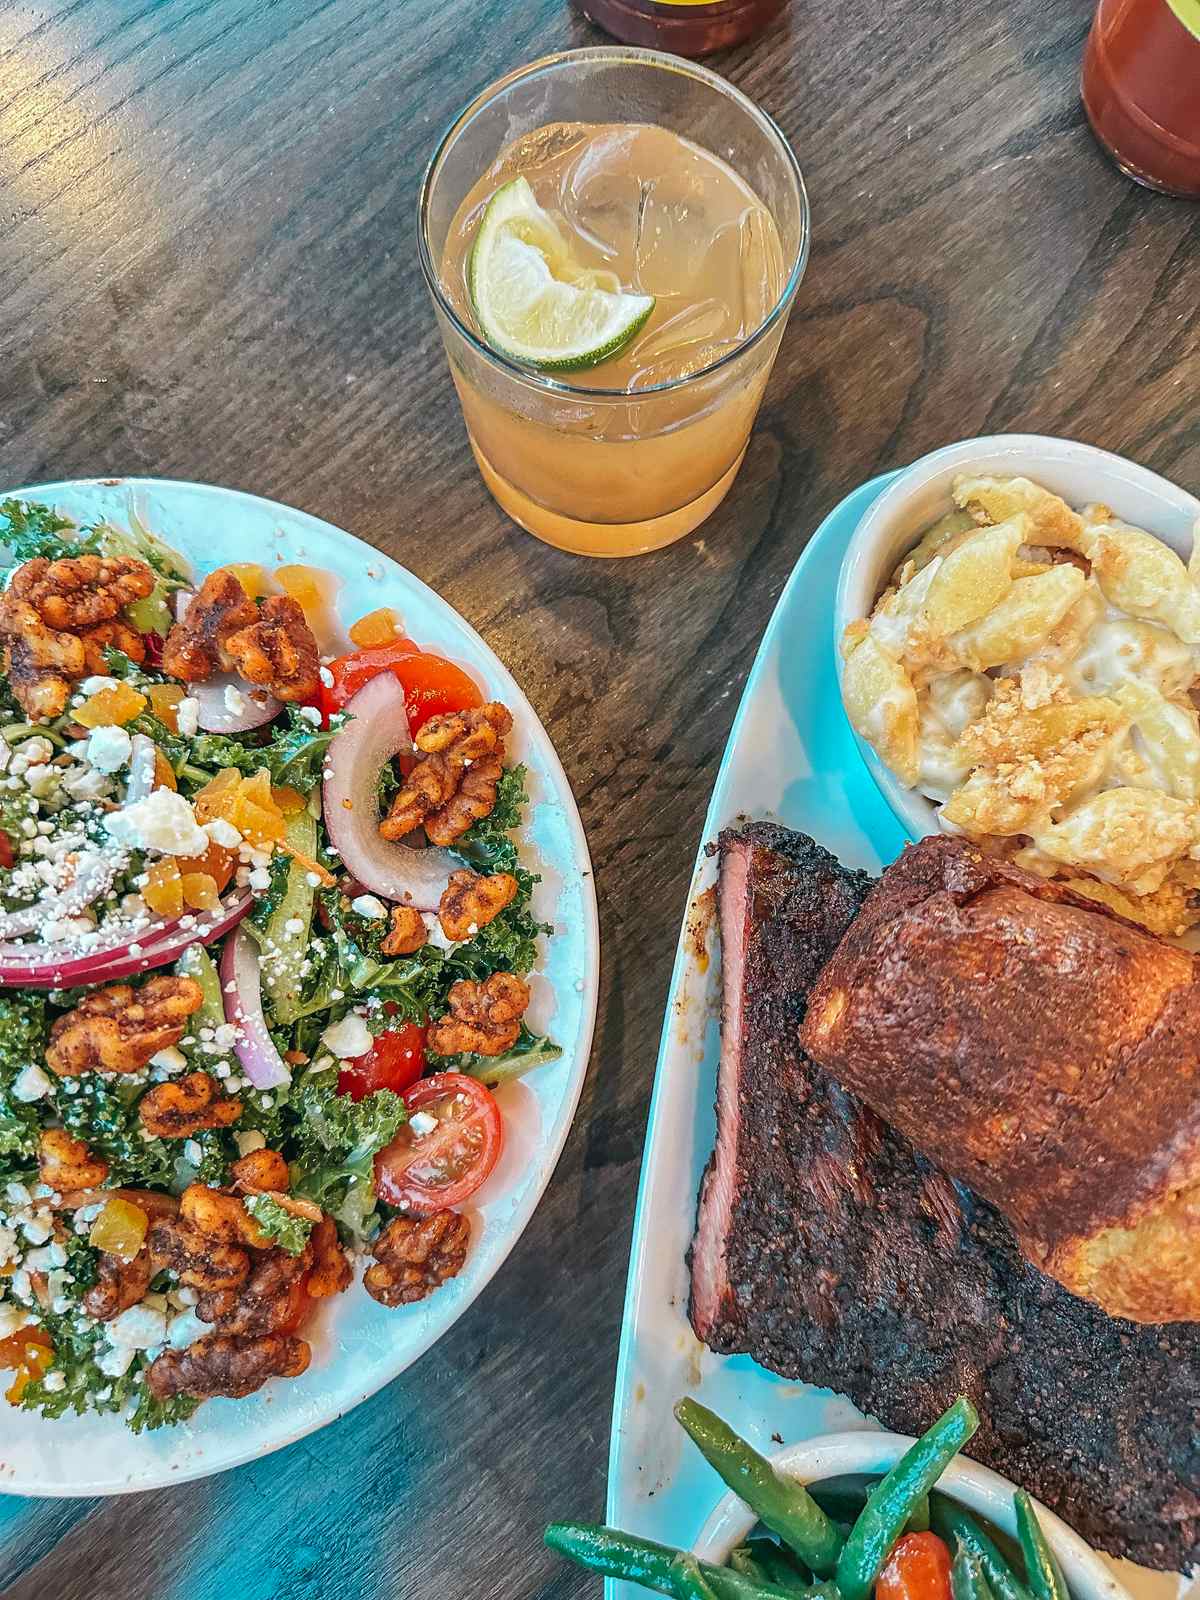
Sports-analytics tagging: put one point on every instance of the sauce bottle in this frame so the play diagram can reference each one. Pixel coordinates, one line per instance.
(1141, 90)
(682, 27)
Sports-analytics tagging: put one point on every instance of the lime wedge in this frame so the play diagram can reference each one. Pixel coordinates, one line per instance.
(532, 301)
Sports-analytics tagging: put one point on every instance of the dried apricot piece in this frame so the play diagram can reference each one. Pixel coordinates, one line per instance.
(109, 707)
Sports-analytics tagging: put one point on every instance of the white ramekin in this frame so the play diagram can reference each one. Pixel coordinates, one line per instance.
(1080, 473)
(978, 1488)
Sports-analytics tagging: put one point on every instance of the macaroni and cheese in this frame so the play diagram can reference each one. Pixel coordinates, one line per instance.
(1031, 669)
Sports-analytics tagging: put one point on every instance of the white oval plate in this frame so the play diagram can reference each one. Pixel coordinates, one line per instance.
(790, 758)
(358, 1346)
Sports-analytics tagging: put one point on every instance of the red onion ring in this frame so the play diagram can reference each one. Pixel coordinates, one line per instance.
(40, 967)
(241, 991)
(377, 731)
(68, 902)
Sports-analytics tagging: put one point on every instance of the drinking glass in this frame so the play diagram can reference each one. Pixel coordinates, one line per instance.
(608, 472)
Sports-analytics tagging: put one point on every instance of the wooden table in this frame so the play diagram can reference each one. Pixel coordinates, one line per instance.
(207, 271)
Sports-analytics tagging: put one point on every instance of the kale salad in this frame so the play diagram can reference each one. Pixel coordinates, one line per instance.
(265, 938)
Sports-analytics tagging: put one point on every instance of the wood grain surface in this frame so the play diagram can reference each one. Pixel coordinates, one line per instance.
(207, 271)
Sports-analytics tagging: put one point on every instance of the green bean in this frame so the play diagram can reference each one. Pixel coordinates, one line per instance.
(783, 1506)
(843, 1505)
(959, 1528)
(743, 1560)
(690, 1582)
(657, 1566)
(918, 1521)
(1042, 1571)
(967, 1581)
(891, 1502)
(776, 1565)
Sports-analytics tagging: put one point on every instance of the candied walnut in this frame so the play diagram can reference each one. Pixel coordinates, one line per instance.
(220, 1216)
(184, 1106)
(407, 933)
(119, 1285)
(454, 783)
(202, 1260)
(469, 902)
(467, 735)
(414, 1255)
(269, 1301)
(56, 617)
(484, 1018)
(260, 1170)
(219, 1364)
(118, 1029)
(330, 1272)
(66, 1163)
(195, 647)
(76, 592)
(278, 650)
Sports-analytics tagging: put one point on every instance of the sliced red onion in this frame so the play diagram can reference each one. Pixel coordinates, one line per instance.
(258, 705)
(377, 731)
(241, 991)
(93, 880)
(41, 966)
(142, 756)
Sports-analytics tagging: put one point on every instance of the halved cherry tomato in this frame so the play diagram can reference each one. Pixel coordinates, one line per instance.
(432, 685)
(445, 1166)
(917, 1569)
(6, 851)
(395, 1061)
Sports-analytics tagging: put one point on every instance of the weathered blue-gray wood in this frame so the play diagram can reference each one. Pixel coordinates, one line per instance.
(207, 271)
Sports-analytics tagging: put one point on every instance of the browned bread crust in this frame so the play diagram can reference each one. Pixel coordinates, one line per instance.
(1040, 1049)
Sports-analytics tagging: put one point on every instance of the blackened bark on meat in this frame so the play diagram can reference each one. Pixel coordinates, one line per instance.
(851, 1262)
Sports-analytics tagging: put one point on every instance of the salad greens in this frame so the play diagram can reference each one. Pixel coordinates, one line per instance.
(321, 968)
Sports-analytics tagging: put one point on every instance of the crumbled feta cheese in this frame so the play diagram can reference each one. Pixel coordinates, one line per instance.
(348, 1038)
(8, 1245)
(11, 1318)
(169, 1059)
(326, 677)
(422, 1123)
(223, 833)
(436, 933)
(235, 700)
(30, 1084)
(108, 748)
(91, 686)
(39, 1228)
(163, 821)
(187, 716)
(185, 1329)
(311, 714)
(312, 879)
(294, 925)
(260, 878)
(138, 1328)
(225, 1035)
(116, 1361)
(87, 783)
(252, 1139)
(367, 905)
(192, 1152)
(54, 1380)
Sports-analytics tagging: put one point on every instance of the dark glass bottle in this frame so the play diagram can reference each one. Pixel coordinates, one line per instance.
(683, 27)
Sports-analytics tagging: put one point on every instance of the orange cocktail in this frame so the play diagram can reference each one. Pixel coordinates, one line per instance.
(701, 235)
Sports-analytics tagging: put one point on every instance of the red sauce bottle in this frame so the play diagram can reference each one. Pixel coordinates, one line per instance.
(1141, 90)
(683, 27)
